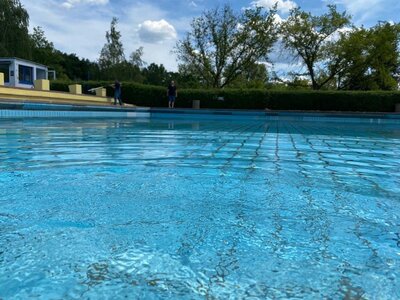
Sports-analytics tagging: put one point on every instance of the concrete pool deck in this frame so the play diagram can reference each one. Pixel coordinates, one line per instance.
(10, 108)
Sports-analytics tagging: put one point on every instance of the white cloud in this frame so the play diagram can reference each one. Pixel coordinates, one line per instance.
(278, 19)
(67, 5)
(284, 6)
(336, 35)
(71, 3)
(359, 6)
(156, 31)
(367, 10)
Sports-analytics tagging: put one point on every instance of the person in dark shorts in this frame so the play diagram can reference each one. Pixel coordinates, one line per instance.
(172, 94)
(117, 92)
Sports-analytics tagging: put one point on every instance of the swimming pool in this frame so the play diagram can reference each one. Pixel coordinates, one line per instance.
(205, 209)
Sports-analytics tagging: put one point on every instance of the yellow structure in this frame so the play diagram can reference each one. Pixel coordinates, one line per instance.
(20, 94)
(75, 89)
(1, 79)
(100, 92)
(42, 85)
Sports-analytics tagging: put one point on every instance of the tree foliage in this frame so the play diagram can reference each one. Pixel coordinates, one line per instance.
(14, 23)
(371, 58)
(43, 51)
(223, 44)
(112, 53)
(309, 38)
(136, 58)
(384, 55)
(112, 61)
(155, 74)
(253, 77)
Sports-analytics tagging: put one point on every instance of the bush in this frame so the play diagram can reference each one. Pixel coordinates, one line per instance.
(155, 96)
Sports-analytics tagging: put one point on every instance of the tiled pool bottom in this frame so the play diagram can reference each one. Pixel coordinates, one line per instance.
(164, 209)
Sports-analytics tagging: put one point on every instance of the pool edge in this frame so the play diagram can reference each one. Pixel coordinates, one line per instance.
(27, 109)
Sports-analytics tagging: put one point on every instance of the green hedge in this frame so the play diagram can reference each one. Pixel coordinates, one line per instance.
(155, 96)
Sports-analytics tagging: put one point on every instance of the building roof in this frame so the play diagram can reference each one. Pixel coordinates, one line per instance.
(21, 59)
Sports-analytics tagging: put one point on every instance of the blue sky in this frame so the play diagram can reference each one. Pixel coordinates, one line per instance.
(79, 26)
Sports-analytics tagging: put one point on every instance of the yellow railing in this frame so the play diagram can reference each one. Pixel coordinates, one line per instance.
(42, 92)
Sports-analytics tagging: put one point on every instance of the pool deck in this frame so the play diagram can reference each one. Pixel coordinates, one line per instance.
(10, 108)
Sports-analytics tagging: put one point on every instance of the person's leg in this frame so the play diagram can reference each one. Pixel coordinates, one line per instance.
(118, 97)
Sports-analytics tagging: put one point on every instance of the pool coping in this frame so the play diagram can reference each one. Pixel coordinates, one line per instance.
(131, 111)
(277, 113)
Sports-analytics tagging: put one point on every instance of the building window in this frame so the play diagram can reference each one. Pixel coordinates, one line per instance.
(52, 75)
(40, 74)
(25, 74)
(5, 69)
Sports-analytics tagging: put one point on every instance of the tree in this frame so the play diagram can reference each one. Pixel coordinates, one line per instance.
(371, 58)
(39, 39)
(309, 38)
(155, 74)
(186, 78)
(384, 55)
(136, 58)
(352, 48)
(222, 45)
(254, 77)
(42, 50)
(112, 61)
(76, 68)
(112, 53)
(14, 36)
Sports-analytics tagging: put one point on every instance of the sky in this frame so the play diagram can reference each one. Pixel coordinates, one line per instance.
(79, 26)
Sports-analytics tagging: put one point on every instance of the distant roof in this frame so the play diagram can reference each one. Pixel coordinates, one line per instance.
(21, 59)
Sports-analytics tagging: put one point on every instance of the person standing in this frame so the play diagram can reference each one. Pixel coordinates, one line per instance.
(117, 92)
(172, 94)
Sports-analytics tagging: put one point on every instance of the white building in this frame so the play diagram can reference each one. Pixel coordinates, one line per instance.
(21, 73)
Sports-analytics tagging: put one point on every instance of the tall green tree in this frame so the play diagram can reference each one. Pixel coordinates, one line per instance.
(384, 55)
(223, 44)
(136, 58)
(371, 58)
(155, 74)
(352, 47)
(39, 39)
(14, 36)
(112, 61)
(43, 51)
(76, 68)
(309, 38)
(112, 53)
(255, 77)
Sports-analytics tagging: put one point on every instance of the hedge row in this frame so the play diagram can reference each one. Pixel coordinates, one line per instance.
(154, 96)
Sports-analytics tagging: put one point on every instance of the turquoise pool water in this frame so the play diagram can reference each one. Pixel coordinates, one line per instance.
(164, 209)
